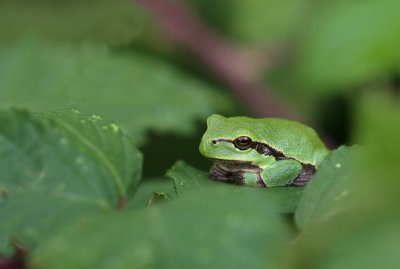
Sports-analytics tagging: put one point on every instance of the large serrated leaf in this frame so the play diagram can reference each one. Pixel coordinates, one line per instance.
(212, 231)
(56, 166)
(135, 90)
(327, 190)
(189, 180)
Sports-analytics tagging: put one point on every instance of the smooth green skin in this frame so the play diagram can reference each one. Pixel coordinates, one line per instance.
(296, 141)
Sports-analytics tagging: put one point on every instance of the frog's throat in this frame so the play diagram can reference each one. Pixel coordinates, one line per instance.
(232, 166)
(261, 148)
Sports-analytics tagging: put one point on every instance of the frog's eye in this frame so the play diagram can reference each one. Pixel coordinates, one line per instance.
(242, 142)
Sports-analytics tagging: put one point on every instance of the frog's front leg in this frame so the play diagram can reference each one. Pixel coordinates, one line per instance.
(281, 173)
(251, 179)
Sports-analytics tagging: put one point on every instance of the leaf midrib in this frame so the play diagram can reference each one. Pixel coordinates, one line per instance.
(100, 155)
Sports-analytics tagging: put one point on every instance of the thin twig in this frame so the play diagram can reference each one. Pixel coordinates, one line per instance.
(222, 59)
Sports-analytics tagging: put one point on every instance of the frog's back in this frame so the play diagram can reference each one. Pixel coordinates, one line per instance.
(293, 139)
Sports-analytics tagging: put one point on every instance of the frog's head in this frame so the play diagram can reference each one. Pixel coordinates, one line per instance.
(229, 139)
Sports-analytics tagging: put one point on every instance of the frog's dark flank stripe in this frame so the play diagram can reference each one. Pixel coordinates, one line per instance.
(308, 170)
(259, 147)
(267, 150)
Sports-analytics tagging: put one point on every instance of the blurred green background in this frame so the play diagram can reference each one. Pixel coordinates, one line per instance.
(116, 59)
(334, 65)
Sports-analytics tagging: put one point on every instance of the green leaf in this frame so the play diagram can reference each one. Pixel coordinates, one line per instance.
(375, 247)
(115, 22)
(138, 92)
(360, 238)
(158, 197)
(378, 128)
(350, 43)
(147, 188)
(189, 180)
(190, 232)
(56, 166)
(327, 190)
(363, 233)
(29, 216)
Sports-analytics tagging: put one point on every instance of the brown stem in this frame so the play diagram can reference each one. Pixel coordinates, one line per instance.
(121, 203)
(223, 60)
(17, 261)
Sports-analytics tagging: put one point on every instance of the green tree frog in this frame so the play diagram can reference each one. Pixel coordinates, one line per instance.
(268, 152)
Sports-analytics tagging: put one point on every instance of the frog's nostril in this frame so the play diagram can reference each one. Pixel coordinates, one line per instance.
(214, 142)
